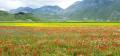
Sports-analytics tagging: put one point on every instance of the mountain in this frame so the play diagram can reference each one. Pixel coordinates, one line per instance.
(22, 9)
(48, 10)
(45, 13)
(85, 11)
(48, 13)
(94, 10)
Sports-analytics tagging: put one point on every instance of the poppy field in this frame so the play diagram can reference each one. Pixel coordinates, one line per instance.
(59, 41)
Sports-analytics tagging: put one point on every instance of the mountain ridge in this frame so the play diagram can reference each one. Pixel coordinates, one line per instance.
(86, 10)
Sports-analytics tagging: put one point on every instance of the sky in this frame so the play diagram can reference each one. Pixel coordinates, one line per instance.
(13, 4)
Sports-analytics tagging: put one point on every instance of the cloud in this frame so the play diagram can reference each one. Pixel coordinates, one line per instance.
(12, 4)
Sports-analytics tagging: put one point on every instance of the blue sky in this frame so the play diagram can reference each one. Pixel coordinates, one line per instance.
(13, 4)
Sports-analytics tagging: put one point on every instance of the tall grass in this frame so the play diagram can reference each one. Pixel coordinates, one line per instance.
(60, 41)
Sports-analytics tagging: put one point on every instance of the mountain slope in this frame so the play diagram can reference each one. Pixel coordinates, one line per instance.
(5, 16)
(96, 10)
(18, 17)
(22, 9)
(48, 13)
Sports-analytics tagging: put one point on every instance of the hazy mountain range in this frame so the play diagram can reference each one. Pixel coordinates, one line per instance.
(86, 10)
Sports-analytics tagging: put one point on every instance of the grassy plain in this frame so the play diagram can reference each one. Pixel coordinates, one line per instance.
(59, 39)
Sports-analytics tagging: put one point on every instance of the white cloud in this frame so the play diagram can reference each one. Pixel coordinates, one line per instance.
(12, 4)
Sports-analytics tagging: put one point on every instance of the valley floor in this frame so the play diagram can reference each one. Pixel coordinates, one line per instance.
(59, 41)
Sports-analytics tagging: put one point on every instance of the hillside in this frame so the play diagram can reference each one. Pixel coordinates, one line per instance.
(96, 10)
(18, 17)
